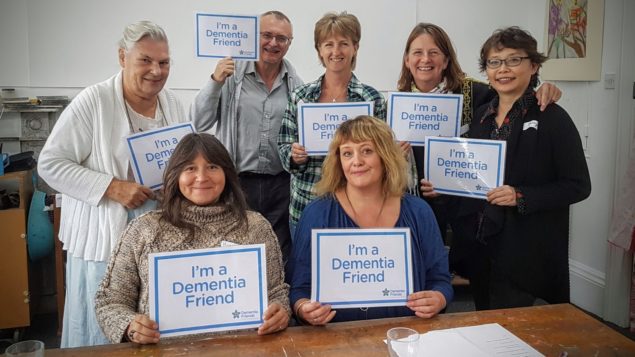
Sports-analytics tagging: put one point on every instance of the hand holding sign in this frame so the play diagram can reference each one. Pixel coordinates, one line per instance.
(427, 189)
(298, 154)
(224, 69)
(129, 194)
(426, 304)
(314, 313)
(143, 330)
(502, 196)
(275, 319)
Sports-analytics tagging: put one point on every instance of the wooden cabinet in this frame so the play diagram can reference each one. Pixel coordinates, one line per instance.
(14, 278)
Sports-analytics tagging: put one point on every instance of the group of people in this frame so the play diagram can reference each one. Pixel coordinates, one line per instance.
(254, 183)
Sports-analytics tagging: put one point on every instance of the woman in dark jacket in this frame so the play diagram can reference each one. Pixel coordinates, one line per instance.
(430, 65)
(525, 222)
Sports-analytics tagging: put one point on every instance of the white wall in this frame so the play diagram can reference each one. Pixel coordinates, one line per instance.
(594, 109)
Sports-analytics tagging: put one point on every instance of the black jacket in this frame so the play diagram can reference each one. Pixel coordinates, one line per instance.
(546, 163)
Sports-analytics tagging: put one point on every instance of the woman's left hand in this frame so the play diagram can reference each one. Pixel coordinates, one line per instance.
(276, 319)
(427, 303)
(405, 148)
(502, 196)
(547, 93)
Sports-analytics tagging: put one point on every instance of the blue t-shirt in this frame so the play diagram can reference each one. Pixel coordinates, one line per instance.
(429, 256)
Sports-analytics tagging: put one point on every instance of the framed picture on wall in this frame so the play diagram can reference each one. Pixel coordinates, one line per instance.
(573, 43)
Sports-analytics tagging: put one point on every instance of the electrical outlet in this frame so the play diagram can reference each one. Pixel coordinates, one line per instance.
(609, 81)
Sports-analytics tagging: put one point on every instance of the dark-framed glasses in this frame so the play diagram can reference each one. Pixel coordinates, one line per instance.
(494, 63)
(282, 40)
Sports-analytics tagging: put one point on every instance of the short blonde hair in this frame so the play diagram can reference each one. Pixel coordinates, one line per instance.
(365, 128)
(343, 24)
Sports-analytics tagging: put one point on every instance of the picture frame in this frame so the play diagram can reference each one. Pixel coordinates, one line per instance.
(574, 31)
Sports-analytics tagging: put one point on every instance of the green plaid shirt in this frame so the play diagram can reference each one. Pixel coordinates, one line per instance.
(305, 176)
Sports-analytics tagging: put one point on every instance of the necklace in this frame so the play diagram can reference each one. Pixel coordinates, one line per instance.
(340, 95)
(383, 203)
(160, 113)
(125, 106)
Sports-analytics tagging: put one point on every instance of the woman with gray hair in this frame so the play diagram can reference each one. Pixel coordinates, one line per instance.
(85, 158)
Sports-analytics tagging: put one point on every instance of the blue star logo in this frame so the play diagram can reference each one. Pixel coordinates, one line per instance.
(478, 187)
(236, 314)
(385, 292)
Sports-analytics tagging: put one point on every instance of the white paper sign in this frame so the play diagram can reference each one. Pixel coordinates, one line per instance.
(205, 290)
(413, 116)
(220, 36)
(465, 167)
(361, 267)
(150, 151)
(317, 122)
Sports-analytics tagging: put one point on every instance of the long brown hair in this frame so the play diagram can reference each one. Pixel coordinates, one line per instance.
(453, 73)
(185, 152)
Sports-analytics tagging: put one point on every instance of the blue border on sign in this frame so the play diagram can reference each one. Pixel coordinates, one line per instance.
(135, 164)
(457, 120)
(343, 105)
(407, 265)
(256, 36)
(499, 173)
(156, 262)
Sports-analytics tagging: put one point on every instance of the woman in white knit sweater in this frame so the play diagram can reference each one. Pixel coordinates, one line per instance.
(86, 159)
(202, 205)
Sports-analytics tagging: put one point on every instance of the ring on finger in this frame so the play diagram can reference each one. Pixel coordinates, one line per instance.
(131, 334)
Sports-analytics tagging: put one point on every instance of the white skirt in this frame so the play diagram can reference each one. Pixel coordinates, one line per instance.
(80, 323)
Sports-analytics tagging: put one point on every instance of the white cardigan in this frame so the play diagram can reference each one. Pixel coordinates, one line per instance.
(85, 150)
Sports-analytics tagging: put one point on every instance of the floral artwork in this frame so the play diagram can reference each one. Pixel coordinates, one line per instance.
(567, 33)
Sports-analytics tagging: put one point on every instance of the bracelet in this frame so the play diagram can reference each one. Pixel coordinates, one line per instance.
(297, 310)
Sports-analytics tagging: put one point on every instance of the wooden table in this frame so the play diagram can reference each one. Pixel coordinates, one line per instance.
(551, 329)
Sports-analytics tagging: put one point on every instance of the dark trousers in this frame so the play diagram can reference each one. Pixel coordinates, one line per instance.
(269, 195)
(505, 294)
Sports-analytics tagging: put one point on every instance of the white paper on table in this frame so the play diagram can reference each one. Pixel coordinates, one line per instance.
(475, 341)
(495, 340)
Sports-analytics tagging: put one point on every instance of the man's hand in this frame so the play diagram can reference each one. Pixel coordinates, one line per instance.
(224, 69)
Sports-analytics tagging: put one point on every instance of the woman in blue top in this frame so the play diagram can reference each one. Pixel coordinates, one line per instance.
(363, 182)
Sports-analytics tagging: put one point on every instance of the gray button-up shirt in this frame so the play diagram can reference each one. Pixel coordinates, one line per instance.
(260, 113)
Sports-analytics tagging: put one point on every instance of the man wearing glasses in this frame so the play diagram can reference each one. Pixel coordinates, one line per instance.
(246, 101)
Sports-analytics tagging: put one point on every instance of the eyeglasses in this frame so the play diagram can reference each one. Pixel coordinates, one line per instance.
(282, 40)
(494, 63)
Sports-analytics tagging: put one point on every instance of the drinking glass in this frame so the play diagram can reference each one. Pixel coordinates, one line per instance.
(29, 348)
(402, 342)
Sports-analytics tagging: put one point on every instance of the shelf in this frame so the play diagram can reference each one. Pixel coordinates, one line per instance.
(40, 109)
